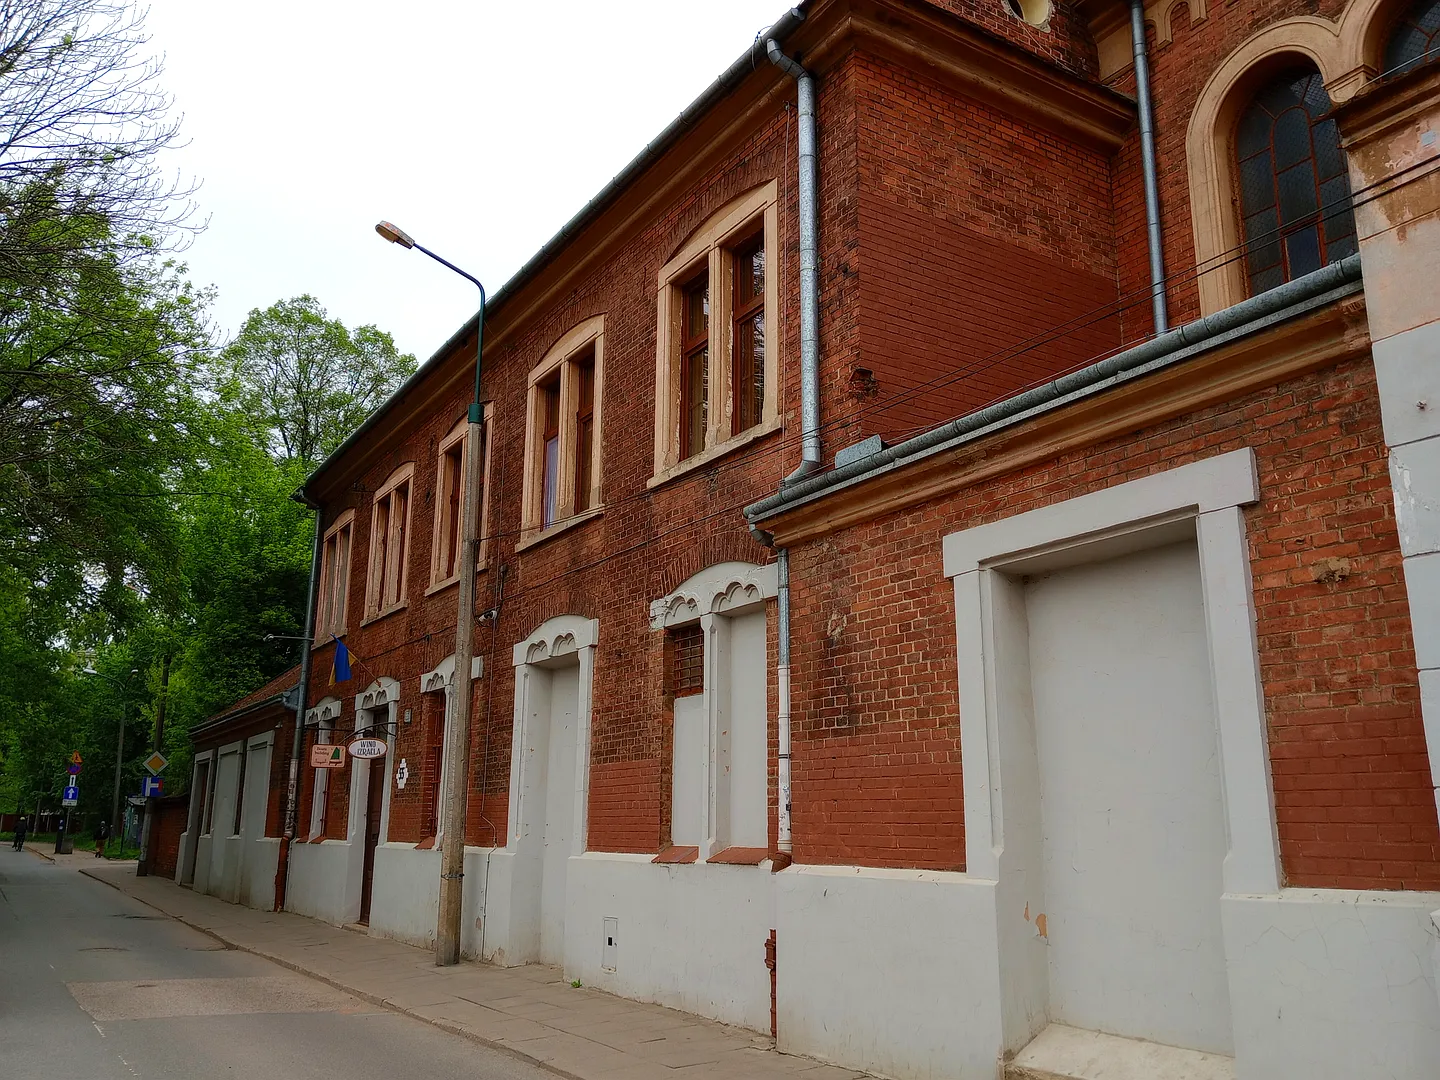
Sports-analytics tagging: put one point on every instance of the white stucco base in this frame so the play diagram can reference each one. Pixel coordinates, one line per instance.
(689, 936)
(237, 869)
(891, 971)
(1333, 985)
(320, 882)
(405, 899)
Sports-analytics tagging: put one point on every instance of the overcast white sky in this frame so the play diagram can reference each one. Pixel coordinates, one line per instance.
(479, 127)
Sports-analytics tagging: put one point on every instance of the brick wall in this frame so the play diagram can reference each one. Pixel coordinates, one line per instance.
(171, 816)
(876, 715)
(1178, 72)
(976, 234)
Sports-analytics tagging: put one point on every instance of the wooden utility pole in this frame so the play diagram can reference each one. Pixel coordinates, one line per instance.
(143, 868)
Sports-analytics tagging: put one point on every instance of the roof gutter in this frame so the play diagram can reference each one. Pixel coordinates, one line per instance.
(734, 75)
(1277, 305)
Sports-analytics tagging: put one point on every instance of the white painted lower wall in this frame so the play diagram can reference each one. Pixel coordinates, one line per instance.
(892, 971)
(405, 899)
(1334, 985)
(690, 936)
(238, 869)
(319, 884)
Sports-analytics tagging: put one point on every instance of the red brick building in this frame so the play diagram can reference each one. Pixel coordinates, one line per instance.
(1110, 655)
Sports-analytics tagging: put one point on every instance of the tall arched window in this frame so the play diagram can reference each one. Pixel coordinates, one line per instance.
(1293, 183)
(1415, 39)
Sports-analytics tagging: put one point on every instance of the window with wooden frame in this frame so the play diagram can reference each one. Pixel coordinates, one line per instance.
(449, 490)
(563, 439)
(1294, 184)
(334, 579)
(747, 379)
(389, 544)
(716, 367)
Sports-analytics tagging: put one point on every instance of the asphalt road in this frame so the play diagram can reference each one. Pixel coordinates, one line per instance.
(96, 986)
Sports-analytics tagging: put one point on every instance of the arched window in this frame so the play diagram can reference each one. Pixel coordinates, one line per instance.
(1294, 187)
(1415, 39)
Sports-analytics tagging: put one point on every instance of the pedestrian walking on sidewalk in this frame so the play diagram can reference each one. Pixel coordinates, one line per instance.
(102, 833)
(22, 827)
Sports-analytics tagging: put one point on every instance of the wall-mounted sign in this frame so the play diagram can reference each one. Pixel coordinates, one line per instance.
(327, 756)
(402, 773)
(367, 748)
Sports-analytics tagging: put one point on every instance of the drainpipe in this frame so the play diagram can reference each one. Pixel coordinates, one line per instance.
(1147, 161)
(809, 266)
(782, 688)
(292, 789)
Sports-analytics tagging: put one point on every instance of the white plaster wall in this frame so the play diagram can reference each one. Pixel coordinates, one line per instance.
(687, 784)
(742, 743)
(319, 882)
(689, 936)
(892, 971)
(405, 898)
(261, 859)
(201, 882)
(1331, 985)
(1134, 830)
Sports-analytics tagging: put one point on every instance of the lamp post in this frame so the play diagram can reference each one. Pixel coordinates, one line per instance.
(457, 735)
(119, 747)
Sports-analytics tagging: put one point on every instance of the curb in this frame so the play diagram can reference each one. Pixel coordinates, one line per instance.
(444, 1025)
(36, 851)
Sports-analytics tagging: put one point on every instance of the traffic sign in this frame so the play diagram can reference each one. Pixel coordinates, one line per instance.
(327, 756)
(71, 796)
(73, 769)
(152, 786)
(75, 758)
(156, 763)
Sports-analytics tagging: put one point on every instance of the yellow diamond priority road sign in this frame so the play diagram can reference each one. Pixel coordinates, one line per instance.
(156, 763)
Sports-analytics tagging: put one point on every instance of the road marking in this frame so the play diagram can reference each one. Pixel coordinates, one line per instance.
(99, 1029)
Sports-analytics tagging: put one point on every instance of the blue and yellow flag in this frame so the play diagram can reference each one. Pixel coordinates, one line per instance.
(340, 666)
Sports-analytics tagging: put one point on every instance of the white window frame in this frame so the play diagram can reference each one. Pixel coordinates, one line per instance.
(575, 343)
(331, 612)
(376, 606)
(713, 595)
(322, 717)
(709, 248)
(457, 437)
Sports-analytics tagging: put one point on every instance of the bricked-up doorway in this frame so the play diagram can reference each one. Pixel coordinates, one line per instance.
(549, 781)
(1133, 833)
(1117, 784)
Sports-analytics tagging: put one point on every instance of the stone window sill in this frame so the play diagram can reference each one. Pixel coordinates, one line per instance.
(384, 614)
(563, 525)
(729, 446)
(740, 856)
(673, 854)
(451, 582)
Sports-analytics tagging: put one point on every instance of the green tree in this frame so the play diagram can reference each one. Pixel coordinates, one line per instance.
(310, 379)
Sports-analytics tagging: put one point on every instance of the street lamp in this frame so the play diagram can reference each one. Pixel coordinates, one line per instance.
(119, 745)
(457, 736)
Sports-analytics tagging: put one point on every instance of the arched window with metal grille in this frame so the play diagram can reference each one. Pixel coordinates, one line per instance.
(1415, 39)
(1295, 205)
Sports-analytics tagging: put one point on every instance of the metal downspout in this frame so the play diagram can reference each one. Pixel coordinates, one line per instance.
(292, 789)
(782, 723)
(809, 266)
(1147, 161)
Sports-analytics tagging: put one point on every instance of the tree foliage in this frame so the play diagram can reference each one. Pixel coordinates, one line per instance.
(309, 378)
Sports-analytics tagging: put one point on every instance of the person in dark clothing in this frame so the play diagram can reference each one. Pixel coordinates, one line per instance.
(22, 827)
(102, 833)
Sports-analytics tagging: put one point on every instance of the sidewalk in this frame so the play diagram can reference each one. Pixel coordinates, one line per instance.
(76, 859)
(529, 1011)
